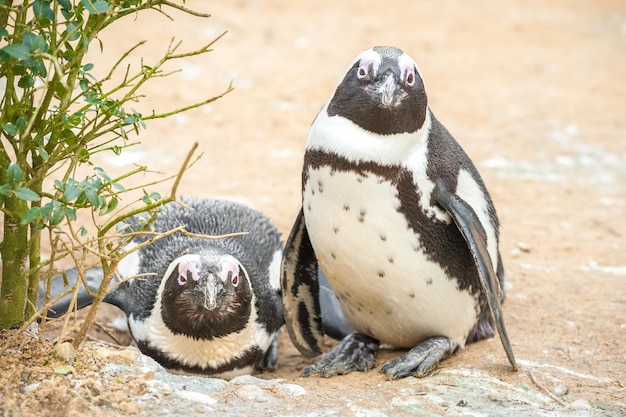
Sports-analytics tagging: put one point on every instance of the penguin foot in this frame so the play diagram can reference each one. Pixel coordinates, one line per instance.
(271, 356)
(421, 360)
(356, 352)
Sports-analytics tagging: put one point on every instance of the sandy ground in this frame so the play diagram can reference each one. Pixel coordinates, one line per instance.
(533, 90)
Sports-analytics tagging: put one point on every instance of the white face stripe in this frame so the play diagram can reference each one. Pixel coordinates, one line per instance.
(405, 60)
(274, 270)
(367, 55)
(129, 265)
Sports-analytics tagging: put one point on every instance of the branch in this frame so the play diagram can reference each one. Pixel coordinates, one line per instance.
(193, 106)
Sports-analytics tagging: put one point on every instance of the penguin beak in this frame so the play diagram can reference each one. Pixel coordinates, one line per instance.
(211, 292)
(387, 90)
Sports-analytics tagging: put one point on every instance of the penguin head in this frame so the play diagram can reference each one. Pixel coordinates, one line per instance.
(206, 295)
(382, 92)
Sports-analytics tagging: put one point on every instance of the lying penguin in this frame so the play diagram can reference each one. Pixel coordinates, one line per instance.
(398, 218)
(200, 306)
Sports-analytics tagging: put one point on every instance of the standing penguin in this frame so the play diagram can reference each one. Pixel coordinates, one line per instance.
(401, 224)
(199, 305)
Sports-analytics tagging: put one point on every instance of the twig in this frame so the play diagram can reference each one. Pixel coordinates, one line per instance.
(211, 237)
(108, 331)
(544, 389)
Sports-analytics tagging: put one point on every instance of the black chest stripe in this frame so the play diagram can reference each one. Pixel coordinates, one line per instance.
(442, 243)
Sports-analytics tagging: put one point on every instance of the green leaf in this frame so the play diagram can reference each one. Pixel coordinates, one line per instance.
(62, 370)
(17, 51)
(71, 192)
(118, 186)
(92, 196)
(14, 174)
(109, 207)
(66, 4)
(35, 43)
(102, 174)
(88, 67)
(4, 32)
(83, 84)
(72, 32)
(71, 213)
(57, 216)
(31, 215)
(82, 231)
(42, 9)
(21, 123)
(26, 81)
(26, 194)
(10, 129)
(43, 154)
(96, 7)
(5, 189)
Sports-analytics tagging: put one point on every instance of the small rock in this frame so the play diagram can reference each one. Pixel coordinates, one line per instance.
(250, 380)
(157, 386)
(251, 392)
(403, 402)
(580, 405)
(65, 352)
(292, 390)
(561, 390)
(524, 247)
(29, 388)
(147, 362)
(197, 397)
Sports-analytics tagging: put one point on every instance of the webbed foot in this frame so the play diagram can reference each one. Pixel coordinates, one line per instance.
(356, 352)
(421, 360)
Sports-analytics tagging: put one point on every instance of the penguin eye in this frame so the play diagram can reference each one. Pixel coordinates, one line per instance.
(410, 78)
(182, 279)
(362, 73)
(235, 280)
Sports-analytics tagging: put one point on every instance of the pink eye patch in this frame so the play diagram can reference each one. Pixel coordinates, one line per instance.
(229, 270)
(189, 267)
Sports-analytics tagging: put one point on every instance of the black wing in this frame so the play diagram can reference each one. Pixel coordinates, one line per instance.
(93, 278)
(473, 231)
(300, 291)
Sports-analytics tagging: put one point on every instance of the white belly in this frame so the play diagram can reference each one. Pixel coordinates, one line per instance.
(386, 285)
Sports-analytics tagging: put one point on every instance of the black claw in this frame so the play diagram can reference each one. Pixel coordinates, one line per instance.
(421, 360)
(356, 352)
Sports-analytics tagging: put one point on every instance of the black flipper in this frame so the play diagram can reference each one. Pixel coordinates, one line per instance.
(300, 291)
(333, 320)
(474, 233)
(93, 279)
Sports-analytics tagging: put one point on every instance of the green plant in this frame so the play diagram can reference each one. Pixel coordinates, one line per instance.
(54, 116)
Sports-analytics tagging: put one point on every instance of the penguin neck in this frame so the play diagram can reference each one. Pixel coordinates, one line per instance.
(340, 136)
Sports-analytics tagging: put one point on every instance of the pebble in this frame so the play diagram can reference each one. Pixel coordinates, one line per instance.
(580, 405)
(561, 390)
(196, 397)
(28, 388)
(292, 390)
(65, 352)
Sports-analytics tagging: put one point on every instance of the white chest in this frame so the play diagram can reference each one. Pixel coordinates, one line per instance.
(387, 286)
